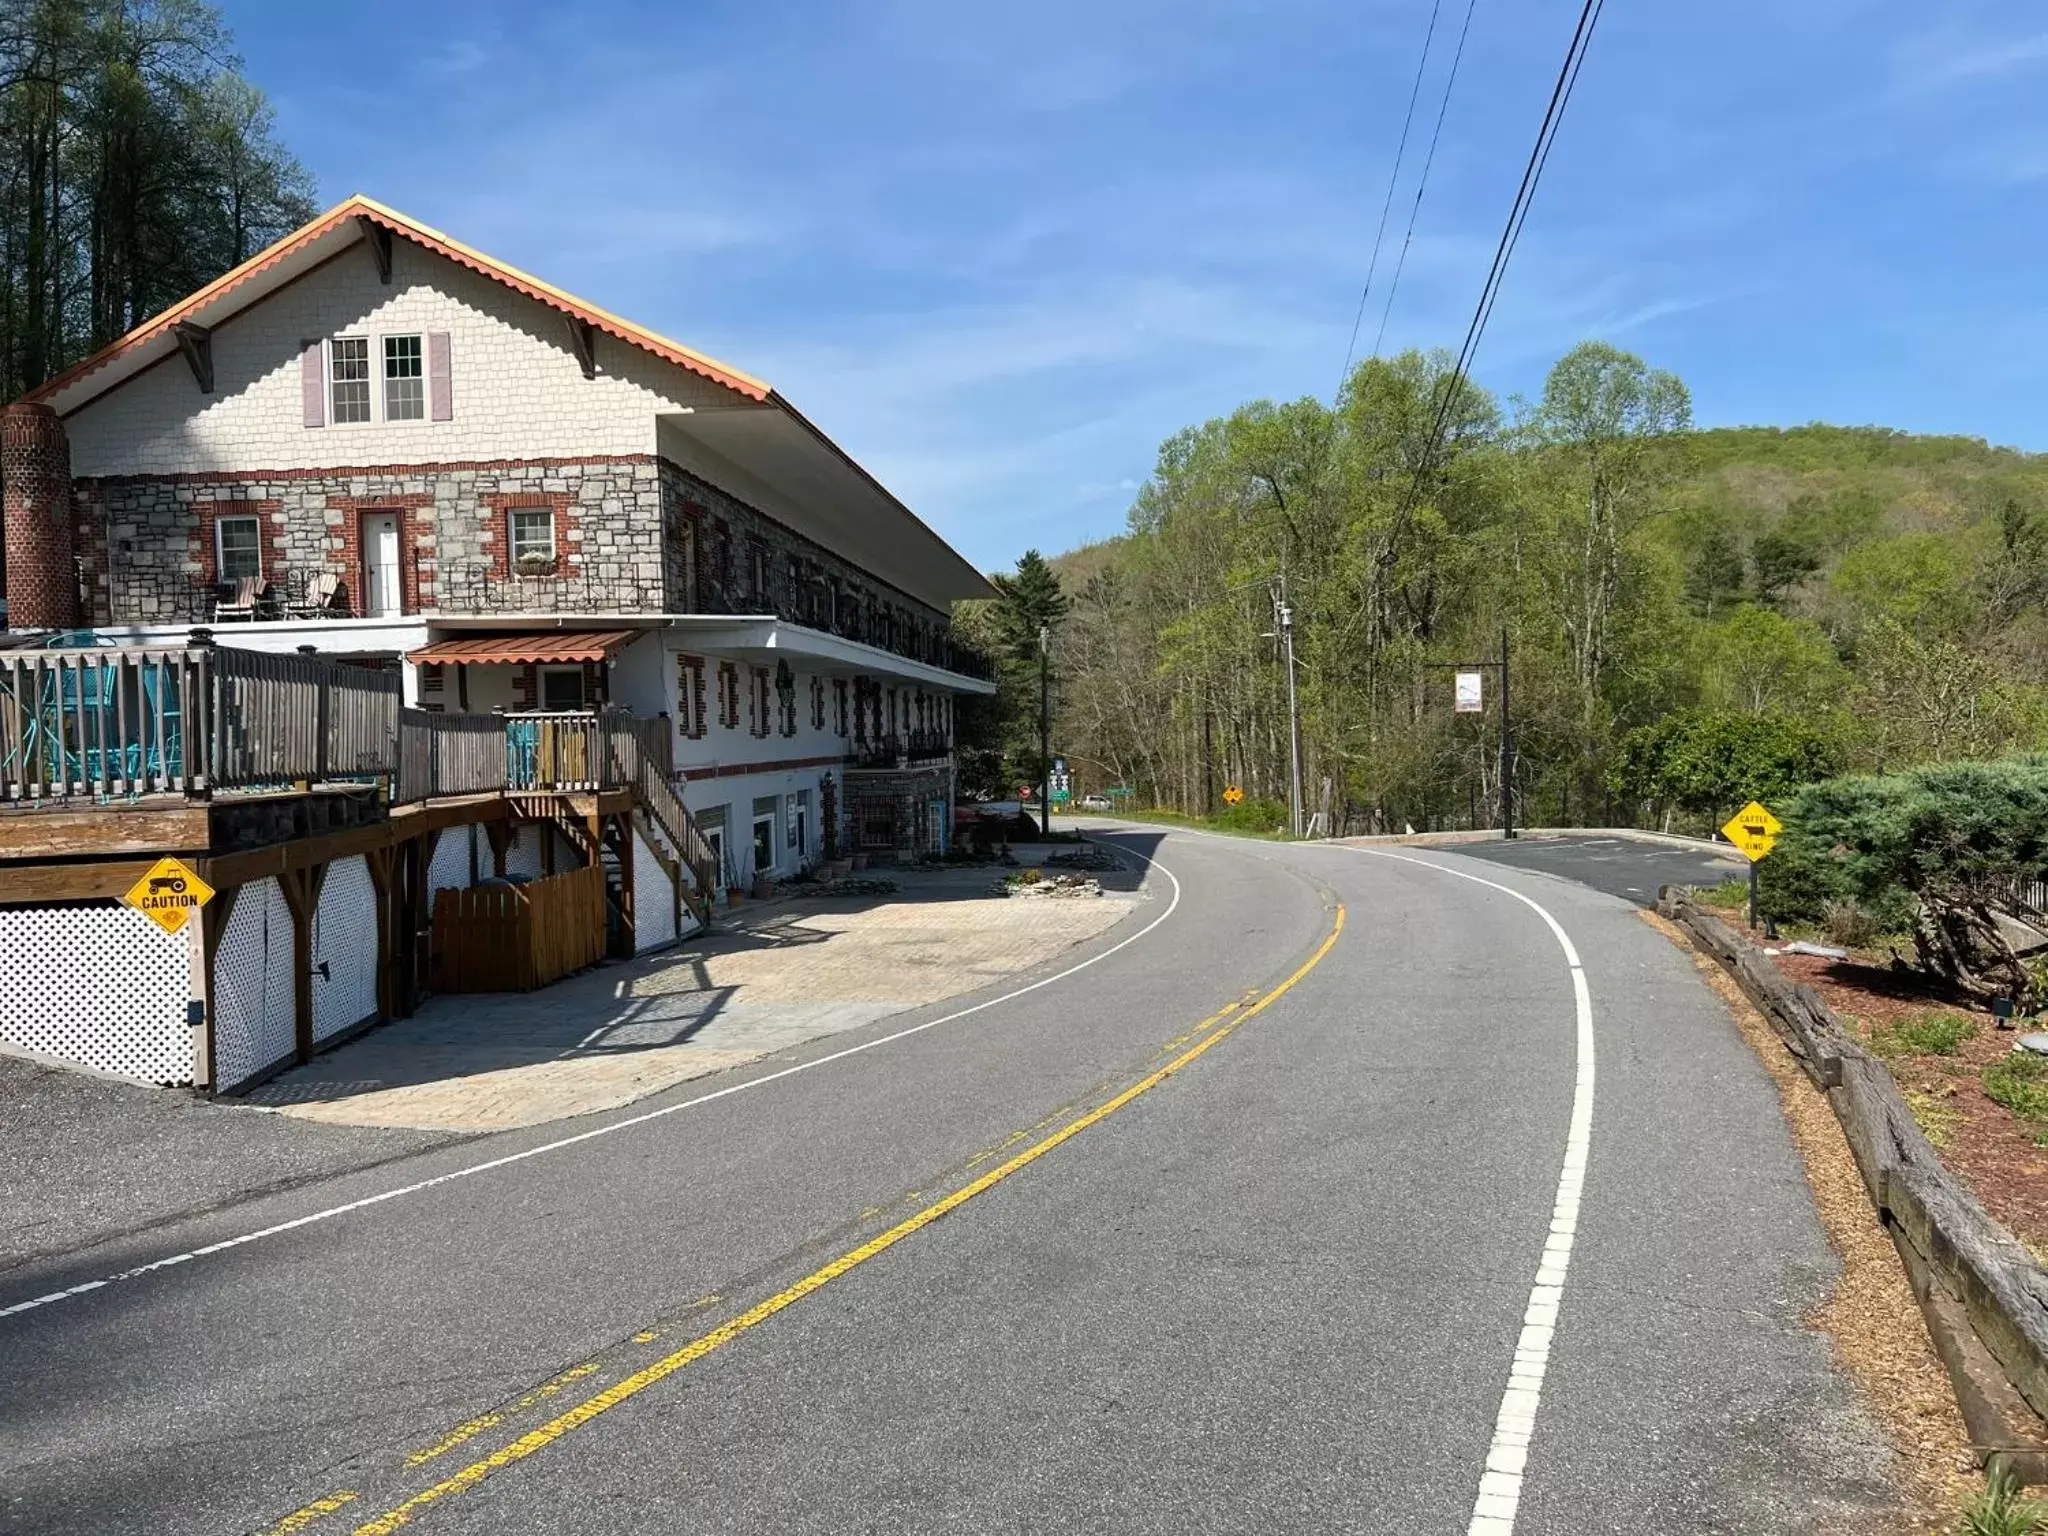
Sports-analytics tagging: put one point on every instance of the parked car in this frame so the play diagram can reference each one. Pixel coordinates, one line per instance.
(1096, 803)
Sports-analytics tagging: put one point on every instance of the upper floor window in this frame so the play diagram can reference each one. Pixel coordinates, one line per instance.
(533, 535)
(349, 369)
(238, 548)
(757, 576)
(405, 384)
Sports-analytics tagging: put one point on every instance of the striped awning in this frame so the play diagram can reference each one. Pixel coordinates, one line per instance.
(552, 647)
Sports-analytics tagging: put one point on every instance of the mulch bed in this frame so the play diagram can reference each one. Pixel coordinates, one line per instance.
(1988, 1148)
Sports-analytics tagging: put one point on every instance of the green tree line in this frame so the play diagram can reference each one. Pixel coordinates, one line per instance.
(136, 165)
(1693, 616)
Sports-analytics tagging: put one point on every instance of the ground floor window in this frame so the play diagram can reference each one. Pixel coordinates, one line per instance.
(561, 688)
(802, 830)
(765, 808)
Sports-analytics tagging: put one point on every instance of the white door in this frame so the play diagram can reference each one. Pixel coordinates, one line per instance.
(380, 564)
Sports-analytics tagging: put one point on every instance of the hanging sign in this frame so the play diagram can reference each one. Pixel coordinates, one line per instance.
(1471, 693)
(169, 894)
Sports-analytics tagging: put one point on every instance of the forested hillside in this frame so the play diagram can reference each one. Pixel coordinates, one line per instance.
(1692, 614)
(136, 164)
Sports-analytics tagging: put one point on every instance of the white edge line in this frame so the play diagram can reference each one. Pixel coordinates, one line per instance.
(1500, 1485)
(35, 1302)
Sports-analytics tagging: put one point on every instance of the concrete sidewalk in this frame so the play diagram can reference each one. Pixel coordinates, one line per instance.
(767, 978)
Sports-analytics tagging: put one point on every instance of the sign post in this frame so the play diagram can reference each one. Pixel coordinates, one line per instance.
(1754, 832)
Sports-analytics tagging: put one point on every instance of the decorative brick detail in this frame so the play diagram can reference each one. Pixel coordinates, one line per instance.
(728, 695)
(35, 470)
(341, 551)
(690, 696)
(203, 550)
(526, 687)
(495, 534)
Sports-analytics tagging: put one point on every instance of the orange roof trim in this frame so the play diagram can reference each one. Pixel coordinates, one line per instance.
(359, 206)
(554, 648)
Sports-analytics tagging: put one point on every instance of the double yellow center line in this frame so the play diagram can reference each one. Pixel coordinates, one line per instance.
(631, 1386)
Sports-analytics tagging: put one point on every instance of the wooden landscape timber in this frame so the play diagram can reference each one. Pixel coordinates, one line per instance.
(1983, 1295)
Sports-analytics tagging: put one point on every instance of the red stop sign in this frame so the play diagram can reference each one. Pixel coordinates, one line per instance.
(1023, 791)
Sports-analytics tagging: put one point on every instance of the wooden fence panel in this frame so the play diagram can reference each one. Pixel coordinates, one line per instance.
(514, 938)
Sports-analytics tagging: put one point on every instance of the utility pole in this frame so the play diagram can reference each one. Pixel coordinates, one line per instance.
(1284, 612)
(1507, 746)
(1208, 751)
(1045, 729)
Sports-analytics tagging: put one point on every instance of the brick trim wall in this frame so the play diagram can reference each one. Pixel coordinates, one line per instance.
(205, 547)
(728, 695)
(566, 516)
(690, 696)
(416, 546)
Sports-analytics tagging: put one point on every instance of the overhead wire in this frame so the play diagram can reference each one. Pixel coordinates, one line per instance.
(1422, 185)
(1393, 181)
(1511, 234)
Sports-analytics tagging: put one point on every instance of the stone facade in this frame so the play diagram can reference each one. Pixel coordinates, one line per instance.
(746, 562)
(149, 553)
(632, 533)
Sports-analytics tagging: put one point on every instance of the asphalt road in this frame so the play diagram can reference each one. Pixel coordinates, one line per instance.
(1441, 1209)
(1617, 865)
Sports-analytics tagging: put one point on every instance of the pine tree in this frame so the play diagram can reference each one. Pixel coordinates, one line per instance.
(1031, 599)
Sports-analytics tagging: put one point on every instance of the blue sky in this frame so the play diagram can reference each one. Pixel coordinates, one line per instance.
(1000, 253)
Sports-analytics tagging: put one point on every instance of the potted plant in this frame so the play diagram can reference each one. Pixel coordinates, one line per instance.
(535, 565)
(764, 886)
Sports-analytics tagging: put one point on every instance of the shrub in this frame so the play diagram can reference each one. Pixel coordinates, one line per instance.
(1256, 813)
(1933, 850)
(1847, 923)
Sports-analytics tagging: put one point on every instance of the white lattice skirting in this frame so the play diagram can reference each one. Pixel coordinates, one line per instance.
(252, 986)
(449, 869)
(345, 942)
(99, 984)
(654, 906)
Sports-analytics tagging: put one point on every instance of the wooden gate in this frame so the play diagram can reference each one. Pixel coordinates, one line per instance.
(513, 938)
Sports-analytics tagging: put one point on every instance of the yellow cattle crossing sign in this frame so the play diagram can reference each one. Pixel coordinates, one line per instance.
(169, 894)
(1753, 830)
(1232, 795)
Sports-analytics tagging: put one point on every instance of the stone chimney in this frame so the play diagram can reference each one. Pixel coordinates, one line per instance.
(35, 471)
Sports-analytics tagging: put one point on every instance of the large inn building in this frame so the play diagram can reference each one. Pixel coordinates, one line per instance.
(377, 443)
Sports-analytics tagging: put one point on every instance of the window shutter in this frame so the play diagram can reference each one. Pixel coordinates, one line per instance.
(312, 384)
(440, 387)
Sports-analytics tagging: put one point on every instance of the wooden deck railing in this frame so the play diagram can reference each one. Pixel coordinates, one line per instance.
(117, 722)
(449, 755)
(104, 723)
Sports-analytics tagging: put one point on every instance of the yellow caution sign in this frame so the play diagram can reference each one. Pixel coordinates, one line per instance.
(169, 894)
(1753, 830)
(1232, 795)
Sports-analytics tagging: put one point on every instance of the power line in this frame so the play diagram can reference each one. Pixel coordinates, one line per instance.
(1393, 180)
(1422, 186)
(1532, 175)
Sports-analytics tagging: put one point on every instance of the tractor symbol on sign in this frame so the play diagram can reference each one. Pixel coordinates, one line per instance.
(173, 883)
